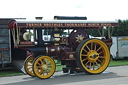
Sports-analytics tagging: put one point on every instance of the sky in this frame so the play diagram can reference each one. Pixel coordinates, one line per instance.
(94, 10)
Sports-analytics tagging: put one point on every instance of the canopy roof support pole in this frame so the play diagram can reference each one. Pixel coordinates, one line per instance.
(13, 35)
(18, 35)
(99, 32)
(111, 32)
(102, 32)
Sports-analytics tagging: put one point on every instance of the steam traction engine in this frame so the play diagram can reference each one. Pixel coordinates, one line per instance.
(45, 41)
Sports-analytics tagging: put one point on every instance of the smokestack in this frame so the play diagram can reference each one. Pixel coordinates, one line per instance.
(38, 18)
(70, 18)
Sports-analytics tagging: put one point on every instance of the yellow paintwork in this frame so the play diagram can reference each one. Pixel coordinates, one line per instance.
(44, 67)
(93, 57)
(28, 65)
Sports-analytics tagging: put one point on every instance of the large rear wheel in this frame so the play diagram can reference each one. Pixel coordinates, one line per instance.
(43, 67)
(93, 56)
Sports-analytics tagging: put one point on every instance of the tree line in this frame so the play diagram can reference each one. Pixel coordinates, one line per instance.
(121, 30)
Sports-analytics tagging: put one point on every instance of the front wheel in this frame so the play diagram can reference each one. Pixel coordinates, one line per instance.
(28, 65)
(92, 56)
(44, 67)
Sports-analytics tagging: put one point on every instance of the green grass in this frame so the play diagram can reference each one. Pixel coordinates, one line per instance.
(14, 72)
(121, 62)
(10, 72)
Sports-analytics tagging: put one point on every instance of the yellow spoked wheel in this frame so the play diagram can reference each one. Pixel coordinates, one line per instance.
(28, 65)
(93, 56)
(43, 67)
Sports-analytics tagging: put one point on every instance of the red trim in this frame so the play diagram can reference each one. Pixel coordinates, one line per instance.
(12, 24)
(60, 24)
(29, 52)
(4, 48)
(52, 25)
(26, 43)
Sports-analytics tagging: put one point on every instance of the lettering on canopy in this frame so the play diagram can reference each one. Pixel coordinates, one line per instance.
(67, 24)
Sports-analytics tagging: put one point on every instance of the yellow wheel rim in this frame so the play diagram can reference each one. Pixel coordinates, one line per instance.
(44, 67)
(28, 65)
(94, 56)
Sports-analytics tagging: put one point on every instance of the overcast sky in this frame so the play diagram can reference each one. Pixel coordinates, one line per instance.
(92, 9)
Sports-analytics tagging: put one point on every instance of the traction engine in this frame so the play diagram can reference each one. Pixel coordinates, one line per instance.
(46, 42)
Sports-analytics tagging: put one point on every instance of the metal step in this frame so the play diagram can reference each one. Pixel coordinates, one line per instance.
(19, 64)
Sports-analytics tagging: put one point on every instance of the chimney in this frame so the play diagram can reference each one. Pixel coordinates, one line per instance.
(38, 18)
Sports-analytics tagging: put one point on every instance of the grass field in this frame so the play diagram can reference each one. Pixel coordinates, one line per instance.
(10, 72)
(14, 72)
(121, 62)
